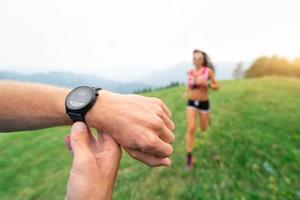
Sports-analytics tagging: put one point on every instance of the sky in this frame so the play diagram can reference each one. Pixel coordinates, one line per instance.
(123, 39)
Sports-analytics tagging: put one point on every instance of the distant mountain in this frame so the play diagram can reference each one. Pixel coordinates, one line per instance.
(154, 79)
(69, 79)
(178, 72)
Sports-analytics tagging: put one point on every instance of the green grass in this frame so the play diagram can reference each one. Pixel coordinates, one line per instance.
(252, 151)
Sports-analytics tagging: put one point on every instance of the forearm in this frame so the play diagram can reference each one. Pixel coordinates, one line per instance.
(27, 106)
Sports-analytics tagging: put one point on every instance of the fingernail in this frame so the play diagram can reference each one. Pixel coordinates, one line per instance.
(79, 127)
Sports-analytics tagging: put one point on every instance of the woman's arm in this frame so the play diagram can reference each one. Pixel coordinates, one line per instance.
(186, 92)
(214, 85)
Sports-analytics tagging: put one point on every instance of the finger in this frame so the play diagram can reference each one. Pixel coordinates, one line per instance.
(166, 109)
(67, 143)
(162, 125)
(166, 135)
(162, 105)
(156, 146)
(79, 139)
(148, 159)
(167, 121)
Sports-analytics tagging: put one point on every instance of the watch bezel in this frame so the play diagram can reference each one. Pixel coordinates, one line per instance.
(79, 114)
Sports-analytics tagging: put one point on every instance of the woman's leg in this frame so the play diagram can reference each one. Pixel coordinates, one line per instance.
(204, 120)
(191, 129)
(190, 137)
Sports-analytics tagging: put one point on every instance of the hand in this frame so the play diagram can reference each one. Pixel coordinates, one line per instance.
(185, 95)
(203, 83)
(95, 164)
(142, 125)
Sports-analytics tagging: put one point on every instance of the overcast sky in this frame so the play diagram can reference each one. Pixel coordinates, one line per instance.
(120, 38)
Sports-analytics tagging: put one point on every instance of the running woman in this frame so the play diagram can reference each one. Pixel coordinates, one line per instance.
(200, 78)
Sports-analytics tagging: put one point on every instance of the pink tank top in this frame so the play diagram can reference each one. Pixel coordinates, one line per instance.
(193, 76)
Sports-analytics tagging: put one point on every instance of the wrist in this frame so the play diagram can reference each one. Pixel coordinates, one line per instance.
(100, 191)
(96, 116)
(60, 108)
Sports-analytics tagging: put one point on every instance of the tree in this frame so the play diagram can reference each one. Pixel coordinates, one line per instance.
(274, 66)
(238, 72)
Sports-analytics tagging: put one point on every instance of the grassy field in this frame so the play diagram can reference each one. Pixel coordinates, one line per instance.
(252, 151)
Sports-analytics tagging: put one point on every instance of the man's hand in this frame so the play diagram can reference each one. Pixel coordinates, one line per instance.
(142, 125)
(95, 164)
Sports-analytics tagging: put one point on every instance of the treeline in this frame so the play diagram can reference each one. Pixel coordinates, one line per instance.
(172, 84)
(270, 66)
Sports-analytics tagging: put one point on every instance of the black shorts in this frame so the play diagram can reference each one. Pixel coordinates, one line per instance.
(202, 106)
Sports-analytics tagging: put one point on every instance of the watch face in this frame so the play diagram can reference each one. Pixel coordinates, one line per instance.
(79, 98)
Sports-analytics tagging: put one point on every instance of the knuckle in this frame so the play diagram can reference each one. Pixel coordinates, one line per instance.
(149, 144)
(159, 111)
(160, 123)
(160, 102)
(152, 141)
(157, 101)
(80, 139)
(131, 144)
(157, 124)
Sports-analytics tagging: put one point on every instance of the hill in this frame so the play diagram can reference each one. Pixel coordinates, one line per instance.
(177, 73)
(71, 80)
(158, 78)
(252, 151)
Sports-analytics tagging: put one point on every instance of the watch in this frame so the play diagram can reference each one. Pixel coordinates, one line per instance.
(79, 101)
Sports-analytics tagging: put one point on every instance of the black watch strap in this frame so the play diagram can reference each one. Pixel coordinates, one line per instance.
(96, 89)
(76, 117)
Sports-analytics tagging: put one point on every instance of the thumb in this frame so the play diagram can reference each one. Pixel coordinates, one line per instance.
(79, 139)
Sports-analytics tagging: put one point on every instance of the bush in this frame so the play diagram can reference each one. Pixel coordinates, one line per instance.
(278, 66)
